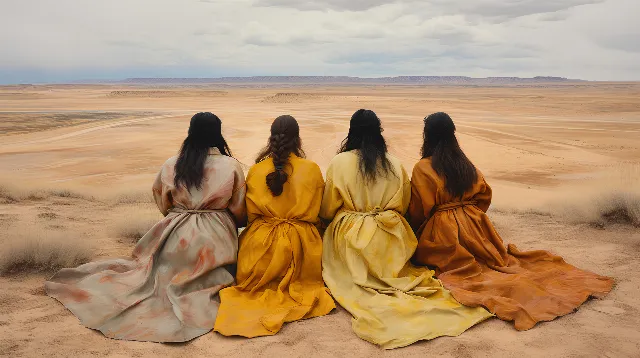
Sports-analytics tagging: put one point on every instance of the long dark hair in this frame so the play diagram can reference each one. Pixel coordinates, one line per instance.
(447, 158)
(365, 134)
(284, 140)
(205, 132)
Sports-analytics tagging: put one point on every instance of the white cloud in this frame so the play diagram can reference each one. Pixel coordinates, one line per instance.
(70, 39)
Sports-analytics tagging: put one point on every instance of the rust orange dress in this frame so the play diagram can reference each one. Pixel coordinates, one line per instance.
(457, 238)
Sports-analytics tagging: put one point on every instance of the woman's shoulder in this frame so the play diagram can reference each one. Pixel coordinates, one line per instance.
(304, 163)
(229, 163)
(344, 158)
(423, 169)
(171, 162)
(263, 165)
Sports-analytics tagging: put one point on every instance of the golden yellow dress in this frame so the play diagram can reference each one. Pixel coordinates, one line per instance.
(365, 261)
(279, 276)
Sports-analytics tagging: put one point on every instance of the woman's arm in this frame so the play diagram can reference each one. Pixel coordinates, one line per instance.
(331, 198)
(237, 205)
(162, 194)
(483, 197)
(423, 198)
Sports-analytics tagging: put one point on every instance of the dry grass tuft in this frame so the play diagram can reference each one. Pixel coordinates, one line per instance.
(42, 250)
(134, 222)
(47, 216)
(10, 194)
(132, 197)
(6, 196)
(617, 207)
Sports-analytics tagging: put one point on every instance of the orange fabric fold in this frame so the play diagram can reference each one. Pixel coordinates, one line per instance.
(457, 238)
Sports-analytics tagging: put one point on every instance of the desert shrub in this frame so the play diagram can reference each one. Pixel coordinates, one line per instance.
(616, 207)
(12, 194)
(65, 193)
(42, 250)
(6, 196)
(132, 197)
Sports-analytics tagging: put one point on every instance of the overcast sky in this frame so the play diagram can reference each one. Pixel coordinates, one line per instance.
(63, 40)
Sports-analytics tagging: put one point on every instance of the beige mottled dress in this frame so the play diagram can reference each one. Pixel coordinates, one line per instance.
(167, 291)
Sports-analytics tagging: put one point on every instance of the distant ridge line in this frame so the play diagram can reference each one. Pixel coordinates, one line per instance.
(349, 79)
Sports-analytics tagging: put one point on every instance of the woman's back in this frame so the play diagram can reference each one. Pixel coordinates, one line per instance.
(299, 200)
(221, 177)
(431, 189)
(352, 193)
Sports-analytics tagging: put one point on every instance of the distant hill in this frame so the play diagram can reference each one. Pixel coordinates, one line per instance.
(426, 80)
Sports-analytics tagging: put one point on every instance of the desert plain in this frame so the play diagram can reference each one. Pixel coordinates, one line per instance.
(77, 163)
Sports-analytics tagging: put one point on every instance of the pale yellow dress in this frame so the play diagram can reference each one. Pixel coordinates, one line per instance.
(365, 257)
(279, 275)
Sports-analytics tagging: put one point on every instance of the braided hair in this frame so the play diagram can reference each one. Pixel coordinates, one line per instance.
(205, 132)
(284, 141)
(365, 135)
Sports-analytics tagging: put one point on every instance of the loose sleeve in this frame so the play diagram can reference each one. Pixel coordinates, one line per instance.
(237, 205)
(331, 198)
(317, 197)
(406, 191)
(423, 198)
(161, 194)
(483, 197)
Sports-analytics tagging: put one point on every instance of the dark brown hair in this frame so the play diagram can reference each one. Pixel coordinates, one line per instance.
(365, 134)
(447, 158)
(205, 132)
(284, 141)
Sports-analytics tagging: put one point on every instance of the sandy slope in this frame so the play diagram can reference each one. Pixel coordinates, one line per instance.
(533, 143)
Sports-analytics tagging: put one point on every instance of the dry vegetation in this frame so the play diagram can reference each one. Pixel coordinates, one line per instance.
(617, 207)
(19, 123)
(295, 98)
(36, 248)
(41, 250)
(164, 94)
(12, 194)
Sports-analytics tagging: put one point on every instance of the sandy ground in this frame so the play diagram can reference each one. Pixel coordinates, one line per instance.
(539, 146)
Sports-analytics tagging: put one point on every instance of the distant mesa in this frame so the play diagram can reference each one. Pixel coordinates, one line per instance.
(425, 80)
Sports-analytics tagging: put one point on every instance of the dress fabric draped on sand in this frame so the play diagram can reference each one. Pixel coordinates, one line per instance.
(279, 276)
(167, 291)
(470, 258)
(365, 258)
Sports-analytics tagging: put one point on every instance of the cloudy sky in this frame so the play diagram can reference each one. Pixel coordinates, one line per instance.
(63, 40)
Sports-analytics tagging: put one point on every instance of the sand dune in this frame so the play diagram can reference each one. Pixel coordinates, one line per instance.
(77, 162)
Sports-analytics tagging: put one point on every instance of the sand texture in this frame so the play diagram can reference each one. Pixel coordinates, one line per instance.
(77, 163)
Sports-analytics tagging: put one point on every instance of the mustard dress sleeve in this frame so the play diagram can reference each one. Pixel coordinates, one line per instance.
(331, 200)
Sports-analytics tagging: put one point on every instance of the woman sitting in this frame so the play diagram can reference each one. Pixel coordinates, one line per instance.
(368, 245)
(279, 275)
(167, 291)
(448, 204)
